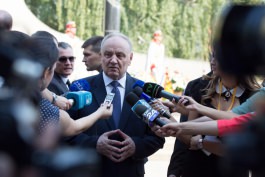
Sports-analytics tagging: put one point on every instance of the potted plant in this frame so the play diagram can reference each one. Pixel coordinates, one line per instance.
(178, 90)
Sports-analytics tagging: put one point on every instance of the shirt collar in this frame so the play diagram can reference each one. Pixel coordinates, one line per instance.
(108, 80)
(65, 79)
(239, 91)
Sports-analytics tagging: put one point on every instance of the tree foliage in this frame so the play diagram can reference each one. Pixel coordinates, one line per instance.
(187, 25)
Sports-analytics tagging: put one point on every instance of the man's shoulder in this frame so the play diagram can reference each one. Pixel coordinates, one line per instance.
(131, 80)
(199, 81)
(84, 83)
(89, 78)
(54, 82)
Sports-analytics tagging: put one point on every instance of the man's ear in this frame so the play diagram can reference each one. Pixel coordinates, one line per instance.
(131, 57)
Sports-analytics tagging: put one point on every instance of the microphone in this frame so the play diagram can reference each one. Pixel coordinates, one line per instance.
(156, 91)
(134, 100)
(80, 99)
(138, 83)
(79, 85)
(139, 92)
(149, 115)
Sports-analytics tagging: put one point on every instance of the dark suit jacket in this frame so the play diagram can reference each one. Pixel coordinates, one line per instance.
(57, 85)
(145, 140)
(178, 162)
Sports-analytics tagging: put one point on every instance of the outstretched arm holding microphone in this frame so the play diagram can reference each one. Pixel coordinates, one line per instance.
(57, 100)
(204, 110)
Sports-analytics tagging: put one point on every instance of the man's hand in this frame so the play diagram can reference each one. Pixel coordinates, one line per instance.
(128, 148)
(108, 147)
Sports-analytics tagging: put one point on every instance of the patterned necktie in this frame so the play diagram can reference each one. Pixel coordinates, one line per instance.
(116, 103)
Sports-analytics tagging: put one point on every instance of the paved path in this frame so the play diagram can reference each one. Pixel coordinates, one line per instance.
(158, 162)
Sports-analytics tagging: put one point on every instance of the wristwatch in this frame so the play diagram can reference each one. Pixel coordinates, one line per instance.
(200, 143)
(54, 98)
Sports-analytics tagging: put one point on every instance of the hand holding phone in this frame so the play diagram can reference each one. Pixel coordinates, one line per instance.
(108, 99)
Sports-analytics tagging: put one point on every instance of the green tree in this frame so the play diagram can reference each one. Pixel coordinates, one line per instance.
(187, 25)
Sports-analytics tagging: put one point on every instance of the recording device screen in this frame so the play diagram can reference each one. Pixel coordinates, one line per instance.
(108, 99)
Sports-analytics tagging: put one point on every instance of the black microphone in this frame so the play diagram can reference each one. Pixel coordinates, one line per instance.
(134, 100)
(156, 91)
(139, 92)
(149, 118)
(149, 115)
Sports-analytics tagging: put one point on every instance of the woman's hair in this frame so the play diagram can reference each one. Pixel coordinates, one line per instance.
(44, 34)
(248, 82)
(44, 50)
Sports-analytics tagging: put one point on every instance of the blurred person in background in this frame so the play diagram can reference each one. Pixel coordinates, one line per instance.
(156, 58)
(6, 20)
(70, 29)
(55, 99)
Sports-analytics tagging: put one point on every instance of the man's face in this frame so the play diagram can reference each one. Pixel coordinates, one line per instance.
(91, 59)
(116, 57)
(65, 63)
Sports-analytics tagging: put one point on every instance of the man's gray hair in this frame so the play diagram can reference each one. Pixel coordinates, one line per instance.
(64, 45)
(117, 34)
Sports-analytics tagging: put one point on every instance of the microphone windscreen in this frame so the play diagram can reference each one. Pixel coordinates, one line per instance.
(80, 85)
(138, 91)
(152, 89)
(131, 98)
(138, 83)
(140, 109)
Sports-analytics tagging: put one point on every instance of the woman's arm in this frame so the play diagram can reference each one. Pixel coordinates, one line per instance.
(190, 128)
(60, 101)
(72, 127)
(202, 119)
(206, 111)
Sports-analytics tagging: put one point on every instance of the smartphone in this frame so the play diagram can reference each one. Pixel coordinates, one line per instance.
(108, 99)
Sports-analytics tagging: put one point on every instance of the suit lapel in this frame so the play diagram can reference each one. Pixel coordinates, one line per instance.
(62, 85)
(125, 114)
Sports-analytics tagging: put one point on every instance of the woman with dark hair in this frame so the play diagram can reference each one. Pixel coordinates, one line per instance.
(57, 100)
(45, 50)
(223, 92)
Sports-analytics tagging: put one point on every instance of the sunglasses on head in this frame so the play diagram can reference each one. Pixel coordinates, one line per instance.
(64, 59)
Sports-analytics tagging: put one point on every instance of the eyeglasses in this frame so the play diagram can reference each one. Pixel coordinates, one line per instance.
(63, 59)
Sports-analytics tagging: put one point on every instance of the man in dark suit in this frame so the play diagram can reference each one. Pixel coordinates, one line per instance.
(123, 141)
(64, 68)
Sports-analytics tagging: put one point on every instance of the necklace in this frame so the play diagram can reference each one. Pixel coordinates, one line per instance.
(227, 96)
